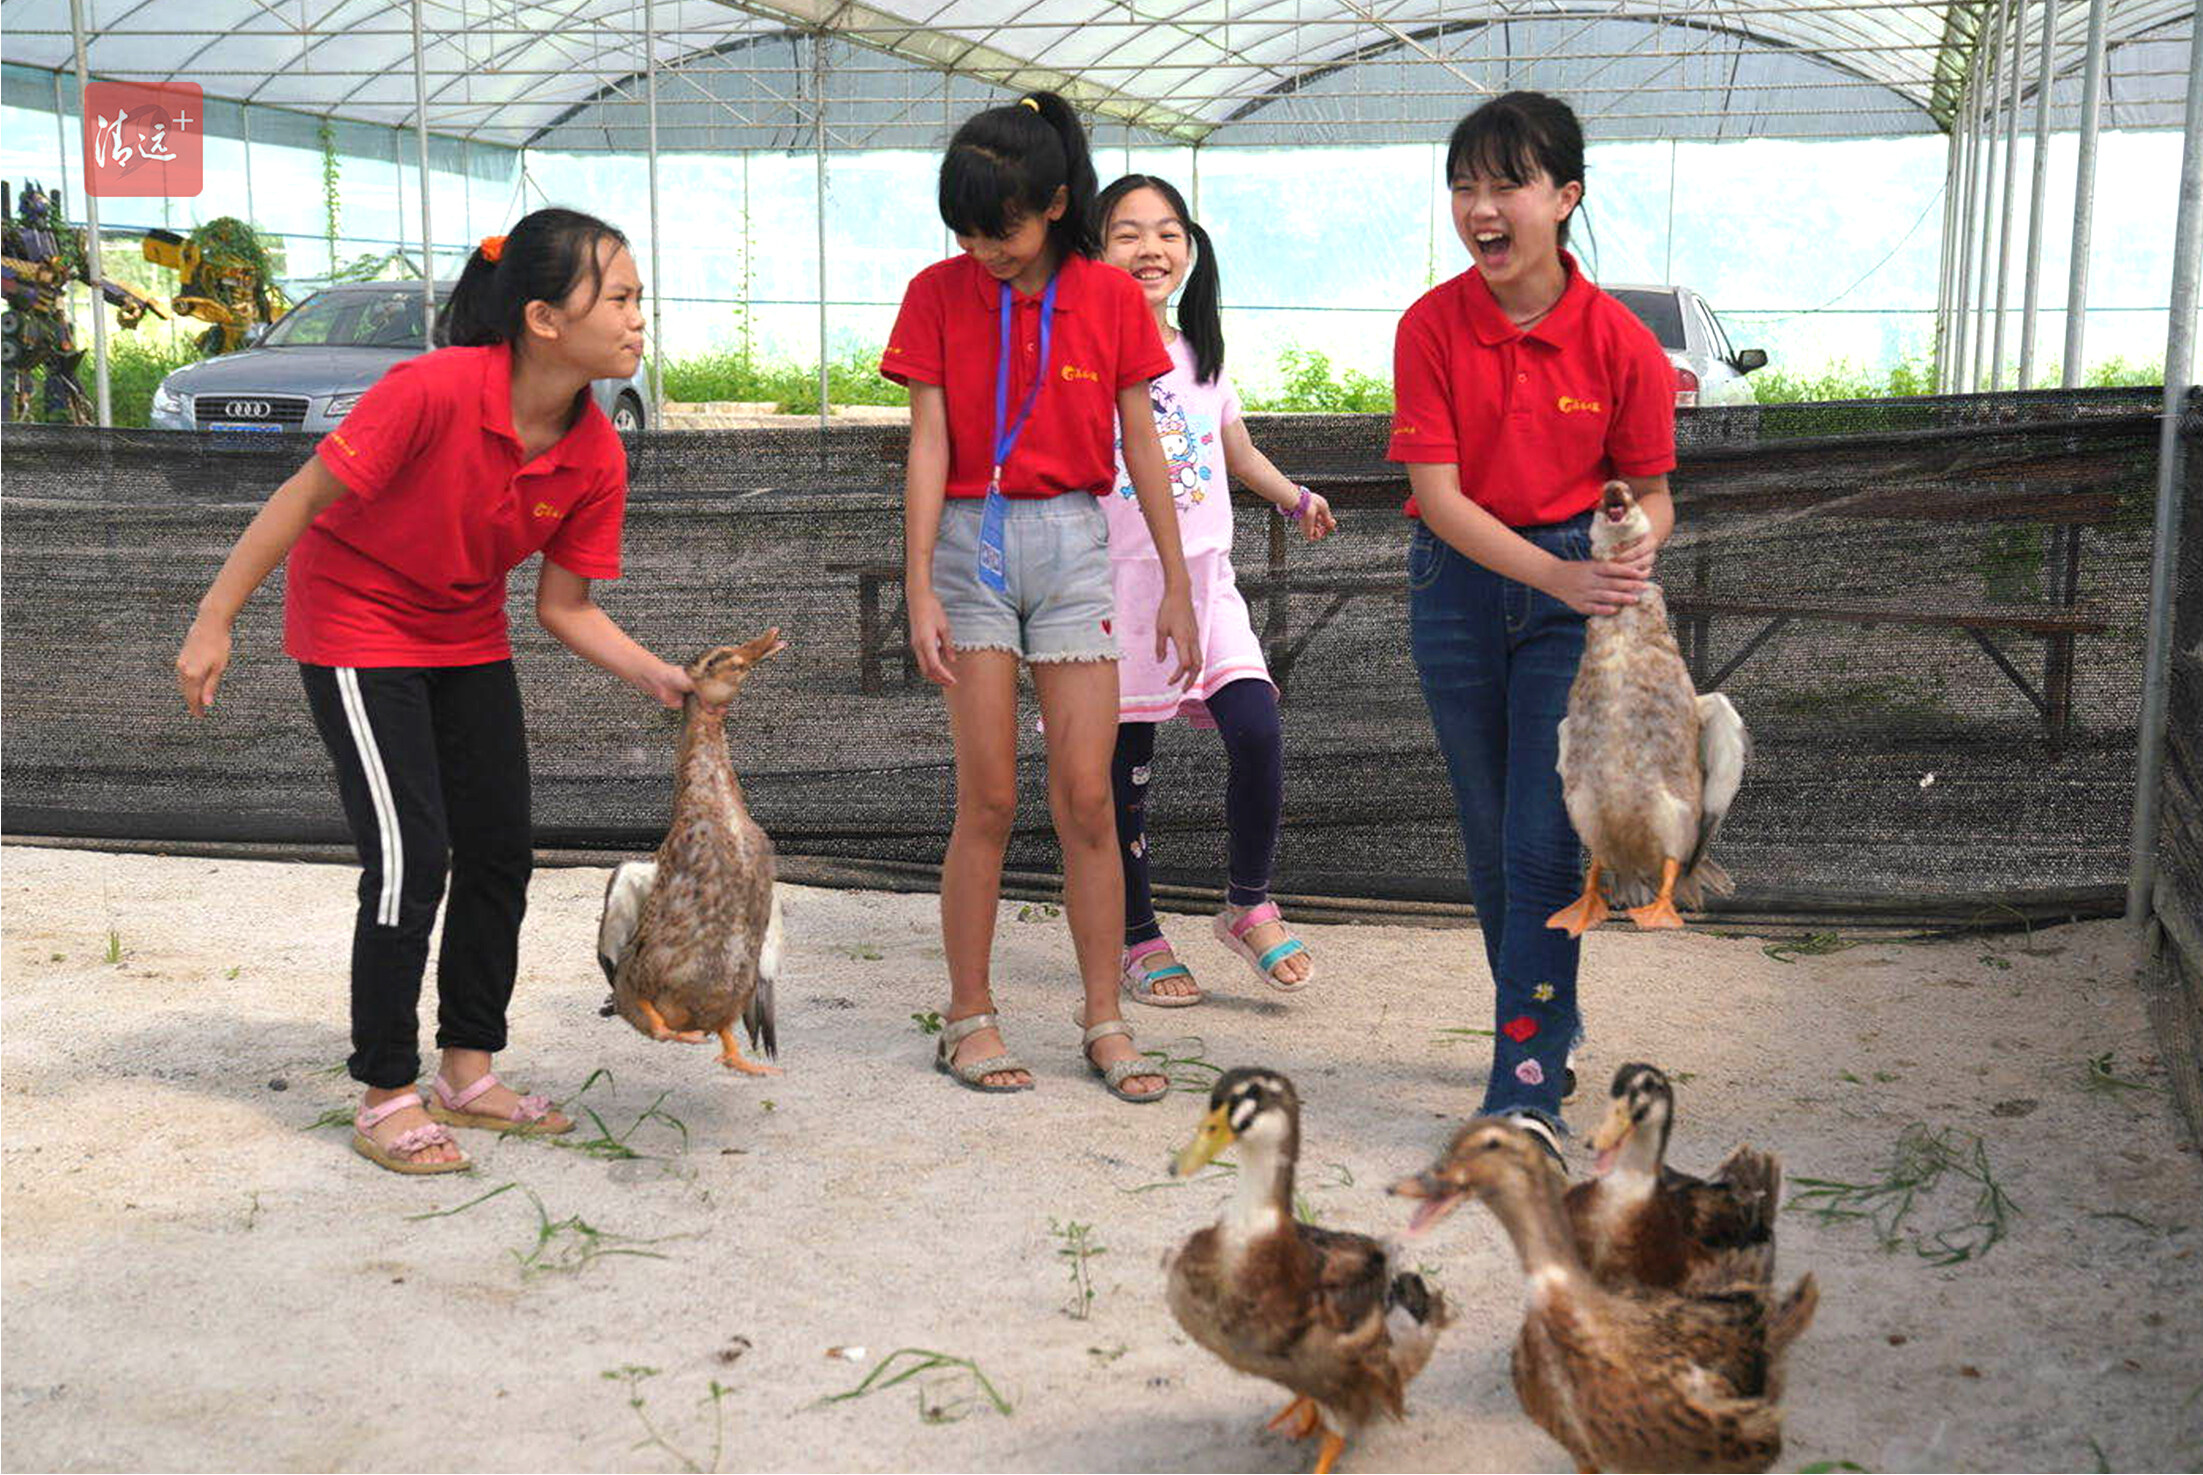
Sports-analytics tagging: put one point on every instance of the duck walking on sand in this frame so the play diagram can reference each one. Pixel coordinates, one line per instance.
(1627, 1377)
(690, 940)
(1327, 1313)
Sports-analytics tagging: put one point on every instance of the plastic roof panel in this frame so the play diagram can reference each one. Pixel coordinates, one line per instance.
(509, 71)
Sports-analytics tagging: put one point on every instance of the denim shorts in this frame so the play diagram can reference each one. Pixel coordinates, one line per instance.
(1061, 602)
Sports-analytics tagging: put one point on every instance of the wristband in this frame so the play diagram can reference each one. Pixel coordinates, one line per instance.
(1300, 510)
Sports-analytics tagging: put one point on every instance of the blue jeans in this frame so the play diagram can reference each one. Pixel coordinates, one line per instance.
(1496, 659)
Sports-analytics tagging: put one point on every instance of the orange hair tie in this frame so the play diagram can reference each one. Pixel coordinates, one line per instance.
(493, 247)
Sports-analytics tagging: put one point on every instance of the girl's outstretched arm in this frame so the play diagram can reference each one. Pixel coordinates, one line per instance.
(281, 521)
(1150, 472)
(1587, 586)
(925, 489)
(564, 607)
(1248, 465)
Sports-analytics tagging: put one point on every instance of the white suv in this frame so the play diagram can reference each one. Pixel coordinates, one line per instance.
(1707, 370)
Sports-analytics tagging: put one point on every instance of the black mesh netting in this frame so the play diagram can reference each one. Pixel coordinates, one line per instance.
(1930, 612)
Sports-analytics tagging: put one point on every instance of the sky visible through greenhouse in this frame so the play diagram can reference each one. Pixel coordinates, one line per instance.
(1824, 252)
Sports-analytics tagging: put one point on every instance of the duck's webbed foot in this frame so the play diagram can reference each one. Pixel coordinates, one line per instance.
(730, 1056)
(1586, 911)
(660, 1030)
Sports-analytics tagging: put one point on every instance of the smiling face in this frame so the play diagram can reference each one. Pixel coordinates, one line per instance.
(598, 329)
(1145, 237)
(1023, 243)
(1512, 228)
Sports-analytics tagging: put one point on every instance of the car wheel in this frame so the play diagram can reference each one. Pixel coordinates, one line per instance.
(627, 414)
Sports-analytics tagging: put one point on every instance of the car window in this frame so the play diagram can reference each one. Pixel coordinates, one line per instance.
(1659, 311)
(351, 320)
(1717, 341)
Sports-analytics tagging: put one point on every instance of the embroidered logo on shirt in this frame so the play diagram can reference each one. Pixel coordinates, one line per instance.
(1569, 405)
(1404, 427)
(342, 444)
(545, 509)
(1072, 372)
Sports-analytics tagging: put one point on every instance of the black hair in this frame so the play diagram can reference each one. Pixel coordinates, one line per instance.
(1517, 136)
(1198, 315)
(545, 258)
(1007, 163)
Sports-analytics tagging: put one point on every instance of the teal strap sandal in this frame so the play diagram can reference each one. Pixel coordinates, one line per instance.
(1139, 983)
(1233, 934)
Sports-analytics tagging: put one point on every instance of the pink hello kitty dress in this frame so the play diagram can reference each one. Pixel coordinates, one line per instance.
(1190, 417)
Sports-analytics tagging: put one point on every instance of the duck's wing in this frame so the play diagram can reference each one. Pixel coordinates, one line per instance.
(1724, 747)
(624, 896)
(757, 1015)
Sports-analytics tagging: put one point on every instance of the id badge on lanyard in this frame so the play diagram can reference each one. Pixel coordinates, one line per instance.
(993, 570)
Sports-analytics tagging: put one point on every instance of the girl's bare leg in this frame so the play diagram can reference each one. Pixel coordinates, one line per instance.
(983, 723)
(1078, 708)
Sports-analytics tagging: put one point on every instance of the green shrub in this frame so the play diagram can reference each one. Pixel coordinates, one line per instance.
(1307, 384)
(853, 379)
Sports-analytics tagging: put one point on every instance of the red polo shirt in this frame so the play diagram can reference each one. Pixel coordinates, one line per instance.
(408, 569)
(948, 333)
(1538, 420)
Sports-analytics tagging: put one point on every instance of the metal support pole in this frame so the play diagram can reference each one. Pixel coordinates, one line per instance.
(244, 117)
(2187, 258)
(2011, 180)
(1977, 190)
(2032, 295)
(428, 234)
(657, 274)
(2012, 175)
(1946, 276)
(2084, 195)
(91, 233)
(818, 132)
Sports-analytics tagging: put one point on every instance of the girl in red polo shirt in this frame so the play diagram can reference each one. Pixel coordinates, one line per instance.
(1020, 355)
(1521, 389)
(399, 532)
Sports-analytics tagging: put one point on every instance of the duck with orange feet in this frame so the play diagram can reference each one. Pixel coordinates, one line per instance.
(691, 940)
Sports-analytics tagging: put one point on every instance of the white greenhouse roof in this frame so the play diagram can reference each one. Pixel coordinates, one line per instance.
(516, 72)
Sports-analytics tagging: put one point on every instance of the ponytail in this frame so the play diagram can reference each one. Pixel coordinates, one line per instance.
(1200, 315)
(545, 258)
(1007, 163)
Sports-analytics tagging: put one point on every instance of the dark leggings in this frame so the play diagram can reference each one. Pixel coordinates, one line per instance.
(1254, 795)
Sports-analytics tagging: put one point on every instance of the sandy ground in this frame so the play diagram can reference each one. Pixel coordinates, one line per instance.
(198, 1277)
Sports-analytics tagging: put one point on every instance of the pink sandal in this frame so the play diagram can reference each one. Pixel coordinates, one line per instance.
(1140, 982)
(1233, 934)
(397, 1156)
(528, 1118)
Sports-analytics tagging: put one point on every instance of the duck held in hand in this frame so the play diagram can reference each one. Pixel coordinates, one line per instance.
(1648, 767)
(690, 940)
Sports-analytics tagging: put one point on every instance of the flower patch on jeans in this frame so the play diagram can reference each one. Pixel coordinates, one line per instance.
(1530, 1073)
(1521, 1029)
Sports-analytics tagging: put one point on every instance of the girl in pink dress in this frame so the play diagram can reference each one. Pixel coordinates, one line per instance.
(1147, 230)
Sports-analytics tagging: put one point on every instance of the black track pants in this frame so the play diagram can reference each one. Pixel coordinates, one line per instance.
(432, 768)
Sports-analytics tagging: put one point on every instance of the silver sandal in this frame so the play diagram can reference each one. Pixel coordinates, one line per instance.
(972, 1075)
(1115, 1076)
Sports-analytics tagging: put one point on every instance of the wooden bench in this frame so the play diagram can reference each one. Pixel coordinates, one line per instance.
(1270, 585)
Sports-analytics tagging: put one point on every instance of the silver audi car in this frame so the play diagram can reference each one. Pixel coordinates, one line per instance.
(308, 370)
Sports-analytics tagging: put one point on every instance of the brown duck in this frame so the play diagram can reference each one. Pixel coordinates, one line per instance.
(690, 940)
(1628, 1378)
(1648, 767)
(1324, 1312)
(1641, 1222)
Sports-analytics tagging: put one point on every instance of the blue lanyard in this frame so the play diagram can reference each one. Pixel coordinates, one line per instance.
(993, 533)
(1005, 434)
